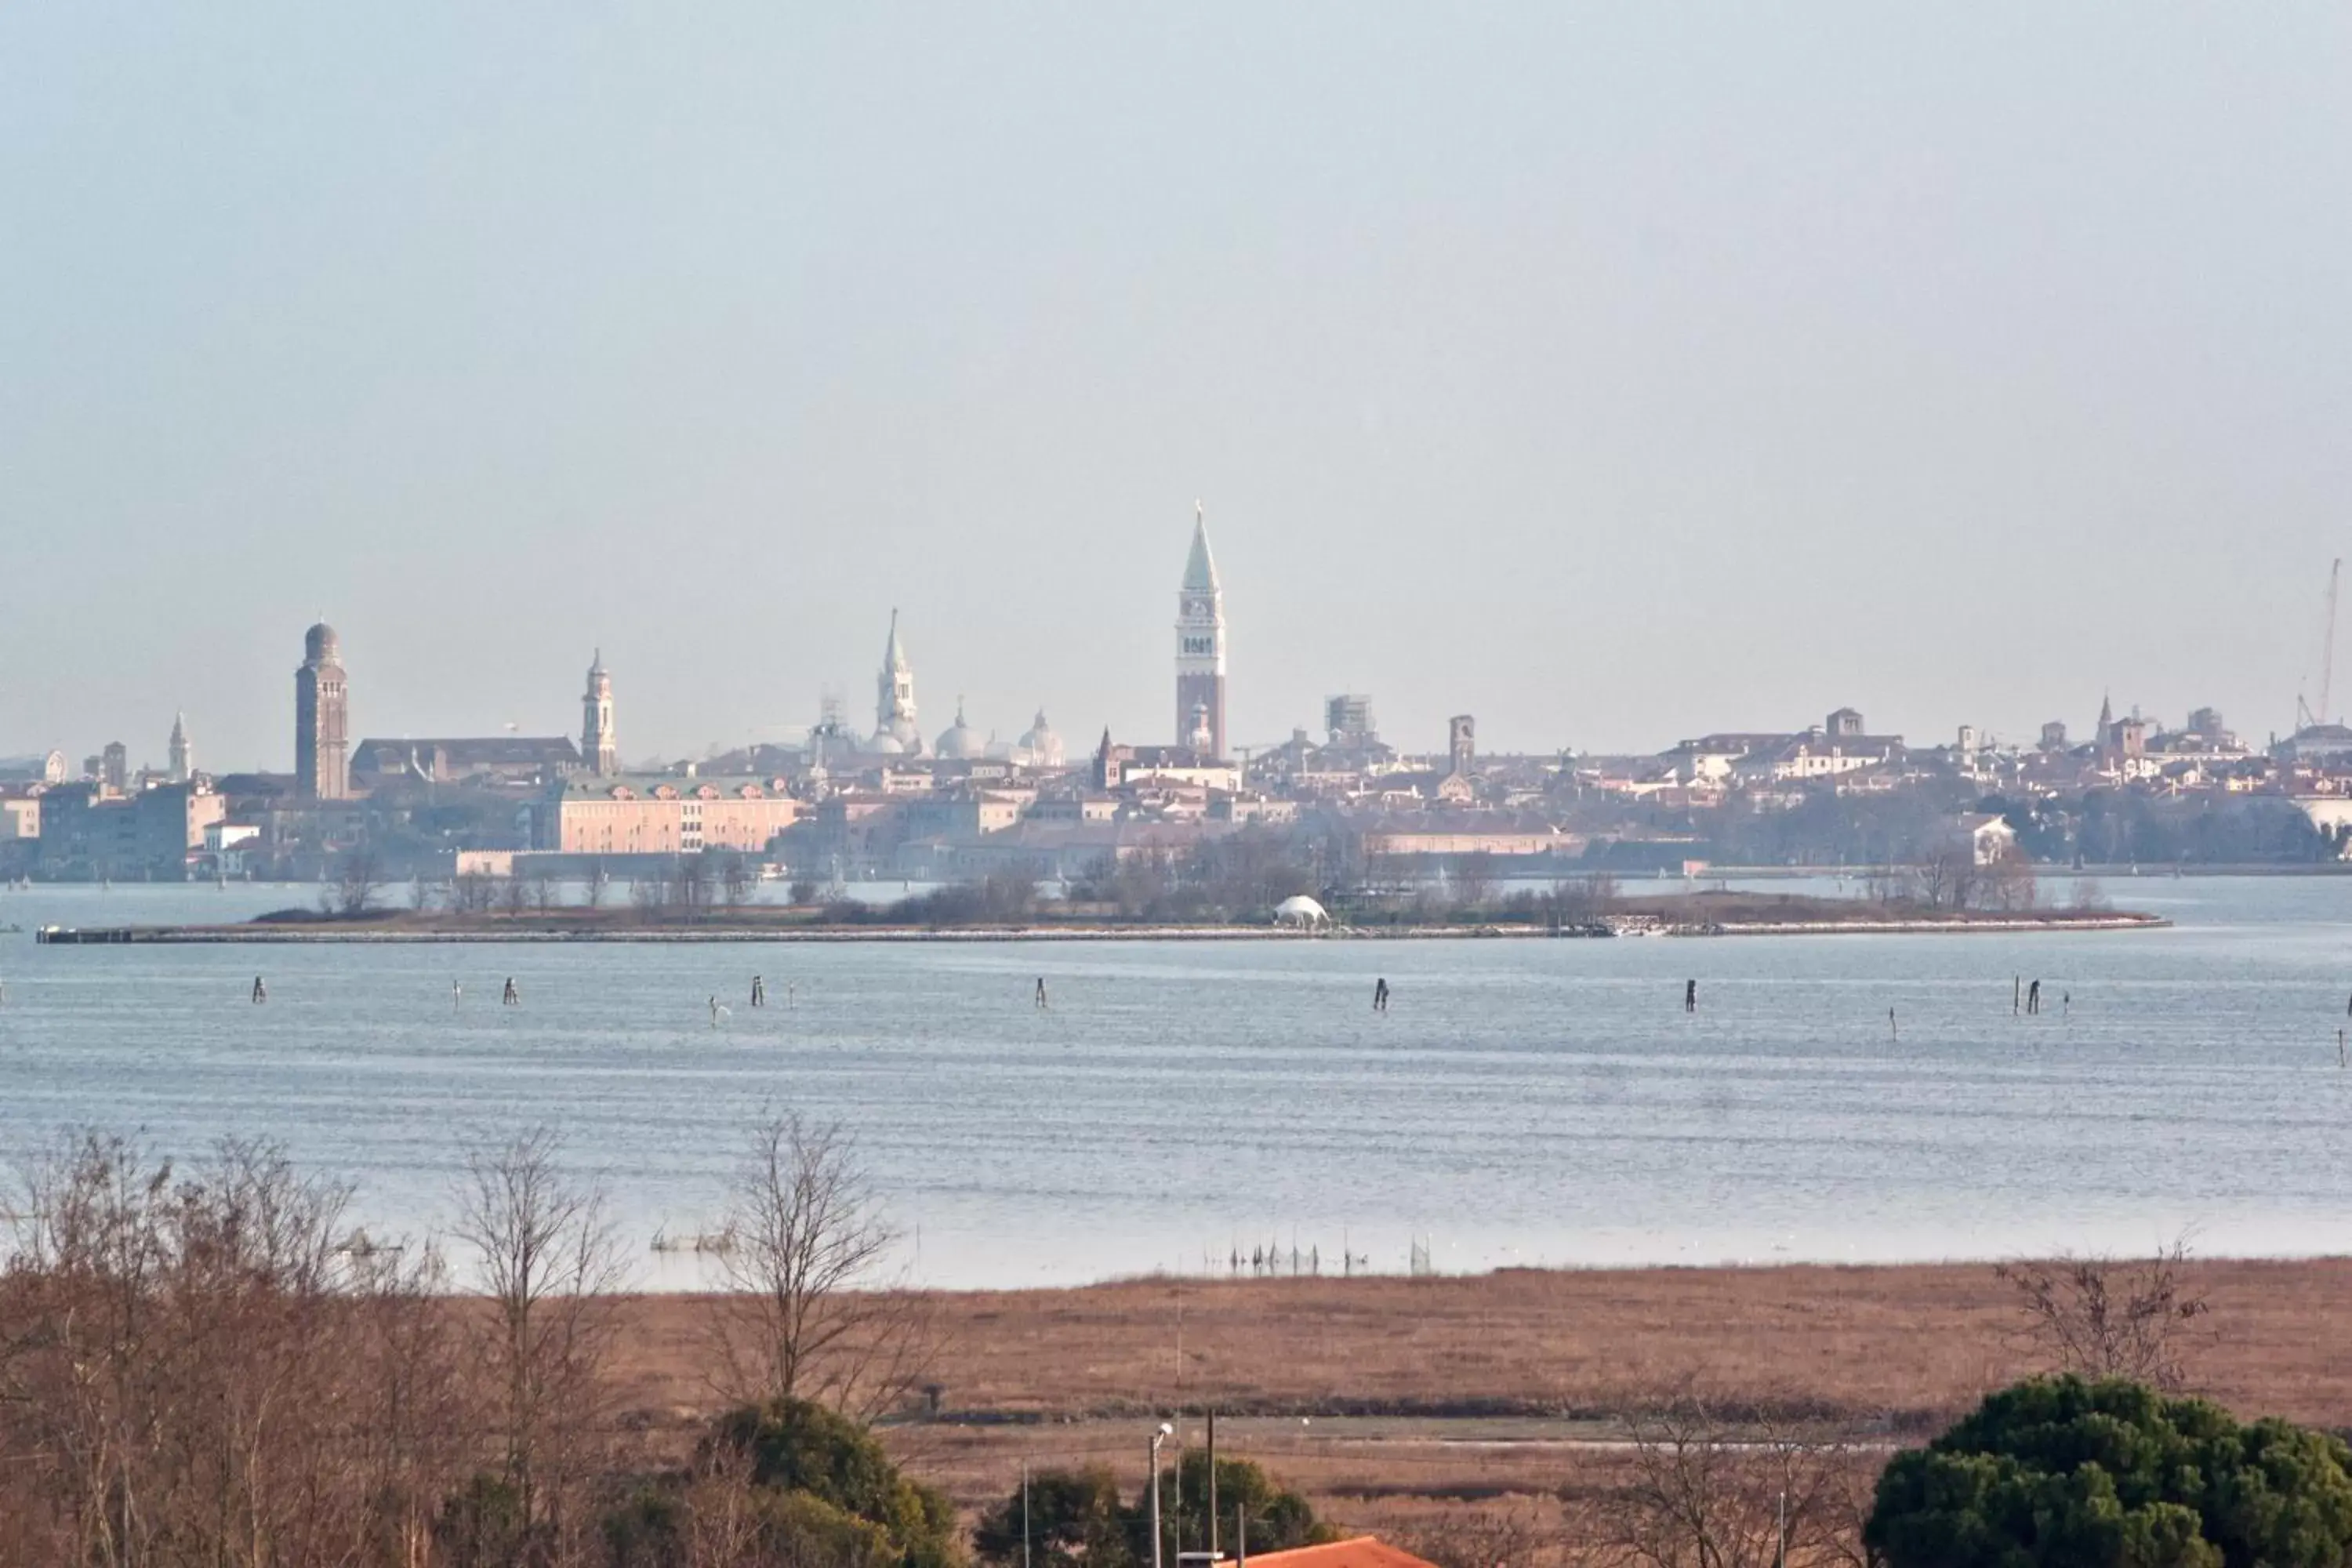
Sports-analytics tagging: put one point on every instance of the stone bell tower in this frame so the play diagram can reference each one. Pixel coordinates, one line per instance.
(598, 748)
(1201, 644)
(321, 718)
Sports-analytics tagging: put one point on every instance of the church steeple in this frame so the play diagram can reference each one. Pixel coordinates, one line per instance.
(894, 696)
(183, 754)
(1200, 566)
(1200, 645)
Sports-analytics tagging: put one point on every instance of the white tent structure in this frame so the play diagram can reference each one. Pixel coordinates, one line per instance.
(1300, 912)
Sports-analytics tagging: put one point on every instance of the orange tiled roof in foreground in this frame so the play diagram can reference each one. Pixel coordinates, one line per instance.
(1361, 1551)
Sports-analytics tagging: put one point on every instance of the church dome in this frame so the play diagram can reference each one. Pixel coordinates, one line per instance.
(886, 744)
(321, 645)
(961, 742)
(1043, 746)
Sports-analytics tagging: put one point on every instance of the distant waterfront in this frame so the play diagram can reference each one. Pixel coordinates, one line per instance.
(1522, 1102)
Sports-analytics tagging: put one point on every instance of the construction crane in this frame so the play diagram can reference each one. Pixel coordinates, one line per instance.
(2307, 716)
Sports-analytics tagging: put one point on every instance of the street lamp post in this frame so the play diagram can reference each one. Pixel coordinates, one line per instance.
(1165, 1432)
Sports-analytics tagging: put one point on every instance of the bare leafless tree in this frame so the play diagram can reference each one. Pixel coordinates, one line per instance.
(698, 880)
(1472, 876)
(473, 892)
(2100, 1318)
(182, 1357)
(1947, 879)
(651, 892)
(721, 1504)
(598, 884)
(1709, 1493)
(811, 1313)
(410, 1425)
(1892, 884)
(550, 1265)
(359, 877)
(86, 1274)
(1491, 1537)
(2009, 884)
(738, 876)
(1582, 899)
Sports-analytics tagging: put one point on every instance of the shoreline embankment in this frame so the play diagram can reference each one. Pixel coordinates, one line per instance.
(322, 932)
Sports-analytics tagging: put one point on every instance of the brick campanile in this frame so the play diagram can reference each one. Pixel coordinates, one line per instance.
(321, 718)
(1201, 644)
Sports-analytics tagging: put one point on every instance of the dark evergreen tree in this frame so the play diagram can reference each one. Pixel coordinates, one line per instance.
(2068, 1474)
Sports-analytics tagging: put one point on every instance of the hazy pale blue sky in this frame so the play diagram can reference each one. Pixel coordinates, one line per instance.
(1613, 373)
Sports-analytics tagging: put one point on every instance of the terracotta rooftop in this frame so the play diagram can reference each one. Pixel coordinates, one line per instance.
(1362, 1551)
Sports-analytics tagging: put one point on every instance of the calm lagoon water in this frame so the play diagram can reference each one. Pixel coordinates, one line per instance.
(1521, 1103)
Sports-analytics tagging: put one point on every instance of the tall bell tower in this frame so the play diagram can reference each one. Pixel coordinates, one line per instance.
(598, 748)
(1200, 645)
(322, 718)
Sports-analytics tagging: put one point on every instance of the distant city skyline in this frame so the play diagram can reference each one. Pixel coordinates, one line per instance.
(602, 703)
(1196, 614)
(1607, 374)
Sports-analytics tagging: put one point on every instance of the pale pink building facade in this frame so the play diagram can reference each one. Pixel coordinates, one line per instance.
(670, 815)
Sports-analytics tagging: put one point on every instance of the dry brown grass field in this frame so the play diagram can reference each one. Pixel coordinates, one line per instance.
(1391, 1401)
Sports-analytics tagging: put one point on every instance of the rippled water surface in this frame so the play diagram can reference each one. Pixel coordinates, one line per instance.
(1522, 1101)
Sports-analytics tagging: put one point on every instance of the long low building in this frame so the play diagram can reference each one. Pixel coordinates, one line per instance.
(1472, 842)
(515, 759)
(1049, 851)
(91, 831)
(665, 815)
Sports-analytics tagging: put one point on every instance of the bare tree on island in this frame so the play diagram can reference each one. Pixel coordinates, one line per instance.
(808, 1315)
(2009, 884)
(550, 1266)
(739, 878)
(1474, 878)
(358, 878)
(471, 893)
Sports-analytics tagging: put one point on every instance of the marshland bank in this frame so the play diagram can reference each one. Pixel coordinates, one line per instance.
(1705, 913)
(1387, 1389)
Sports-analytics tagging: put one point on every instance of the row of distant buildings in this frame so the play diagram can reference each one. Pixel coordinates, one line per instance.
(1778, 767)
(519, 793)
(848, 802)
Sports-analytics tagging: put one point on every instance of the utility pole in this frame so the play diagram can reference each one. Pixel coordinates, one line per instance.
(1176, 1507)
(1212, 1456)
(1156, 1438)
